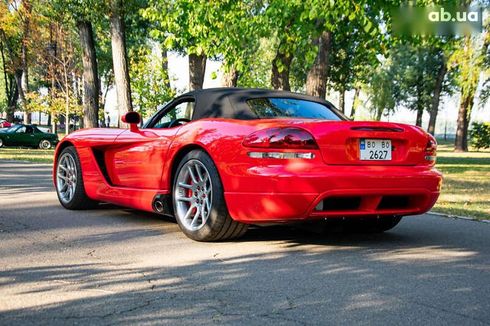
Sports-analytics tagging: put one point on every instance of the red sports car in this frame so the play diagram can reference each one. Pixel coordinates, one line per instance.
(221, 159)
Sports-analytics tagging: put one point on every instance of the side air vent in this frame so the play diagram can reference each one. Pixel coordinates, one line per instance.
(99, 157)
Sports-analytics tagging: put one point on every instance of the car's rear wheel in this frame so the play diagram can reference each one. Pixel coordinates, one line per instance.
(69, 181)
(44, 144)
(198, 200)
(372, 224)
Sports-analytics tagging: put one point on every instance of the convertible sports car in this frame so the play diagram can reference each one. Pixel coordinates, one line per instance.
(221, 159)
(27, 135)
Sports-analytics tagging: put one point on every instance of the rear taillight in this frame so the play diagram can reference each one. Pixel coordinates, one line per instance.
(431, 149)
(284, 138)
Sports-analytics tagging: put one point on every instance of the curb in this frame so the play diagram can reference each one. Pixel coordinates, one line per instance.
(466, 218)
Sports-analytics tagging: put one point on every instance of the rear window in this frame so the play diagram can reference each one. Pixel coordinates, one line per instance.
(267, 108)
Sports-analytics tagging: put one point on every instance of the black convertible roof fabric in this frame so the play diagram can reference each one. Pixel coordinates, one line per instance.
(230, 102)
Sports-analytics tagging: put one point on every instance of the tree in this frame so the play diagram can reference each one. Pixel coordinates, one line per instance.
(469, 60)
(187, 27)
(90, 75)
(150, 81)
(119, 57)
(316, 80)
(15, 29)
(381, 90)
(80, 14)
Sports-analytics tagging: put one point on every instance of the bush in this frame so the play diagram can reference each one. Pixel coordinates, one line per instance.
(480, 135)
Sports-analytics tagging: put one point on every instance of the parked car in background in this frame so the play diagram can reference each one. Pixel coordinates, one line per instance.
(5, 124)
(27, 135)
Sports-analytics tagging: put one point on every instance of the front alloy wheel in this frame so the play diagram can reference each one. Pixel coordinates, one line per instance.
(66, 178)
(69, 181)
(199, 203)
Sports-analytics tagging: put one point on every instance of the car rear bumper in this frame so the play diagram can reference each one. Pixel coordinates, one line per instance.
(284, 195)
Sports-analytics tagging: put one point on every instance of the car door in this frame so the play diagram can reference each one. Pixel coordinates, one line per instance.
(22, 136)
(138, 158)
(33, 137)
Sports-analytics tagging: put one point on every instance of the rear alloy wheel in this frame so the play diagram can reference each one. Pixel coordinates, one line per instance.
(198, 200)
(69, 181)
(44, 144)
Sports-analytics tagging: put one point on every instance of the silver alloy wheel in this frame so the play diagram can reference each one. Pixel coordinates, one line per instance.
(193, 195)
(66, 178)
(45, 144)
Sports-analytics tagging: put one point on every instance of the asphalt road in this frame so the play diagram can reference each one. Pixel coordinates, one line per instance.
(117, 266)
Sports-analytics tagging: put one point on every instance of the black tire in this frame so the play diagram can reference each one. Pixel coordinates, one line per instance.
(1, 142)
(79, 200)
(371, 224)
(218, 225)
(45, 144)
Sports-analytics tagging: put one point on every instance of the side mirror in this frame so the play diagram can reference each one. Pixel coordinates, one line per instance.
(133, 119)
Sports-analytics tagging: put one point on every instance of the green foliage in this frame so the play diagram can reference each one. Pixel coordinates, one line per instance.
(381, 90)
(149, 81)
(408, 76)
(480, 135)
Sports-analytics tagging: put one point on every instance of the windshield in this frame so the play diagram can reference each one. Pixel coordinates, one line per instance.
(13, 129)
(268, 108)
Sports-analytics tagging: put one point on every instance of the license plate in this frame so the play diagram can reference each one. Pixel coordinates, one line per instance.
(375, 149)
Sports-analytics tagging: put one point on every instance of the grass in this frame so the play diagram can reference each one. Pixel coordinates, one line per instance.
(27, 154)
(466, 186)
(465, 190)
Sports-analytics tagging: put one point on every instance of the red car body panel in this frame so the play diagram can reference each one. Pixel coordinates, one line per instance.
(130, 168)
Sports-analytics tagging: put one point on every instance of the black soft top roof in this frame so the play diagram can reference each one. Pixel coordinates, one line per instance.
(230, 102)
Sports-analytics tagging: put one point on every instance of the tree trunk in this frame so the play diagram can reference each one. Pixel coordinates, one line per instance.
(22, 97)
(25, 84)
(342, 100)
(119, 58)
(24, 60)
(464, 112)
(316, 80)
(230, 77)
(11, 91)
(90, 75)
(420, 113)
(165, 67)
(280, 70)
(436, 98)
(197, 69)
(355, 103)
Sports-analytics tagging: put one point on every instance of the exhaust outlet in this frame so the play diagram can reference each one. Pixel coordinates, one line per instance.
(159, 207)
(161, 204)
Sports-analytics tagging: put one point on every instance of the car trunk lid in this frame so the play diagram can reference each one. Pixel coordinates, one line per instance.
(340, 141)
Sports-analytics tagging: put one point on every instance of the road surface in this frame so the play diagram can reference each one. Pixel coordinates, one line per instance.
(117, 266)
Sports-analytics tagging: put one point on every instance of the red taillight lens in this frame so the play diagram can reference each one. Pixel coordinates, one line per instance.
(286, 138)
(431, 149)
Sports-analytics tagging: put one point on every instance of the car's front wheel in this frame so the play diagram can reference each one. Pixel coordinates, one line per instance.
(44, 144)
(198, 200)
(69, 181)
(1, 142)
